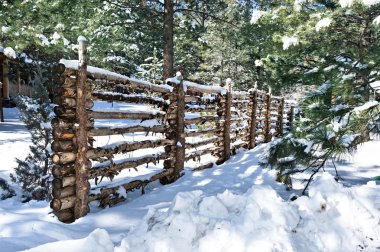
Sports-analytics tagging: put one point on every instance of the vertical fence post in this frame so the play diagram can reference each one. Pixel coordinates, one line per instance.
(18, 79)
(5, 78)
(291, 117)
(176, 115)
(252, 129)
(82, 163)
(268, 136)
(280, 117)
(227, 126)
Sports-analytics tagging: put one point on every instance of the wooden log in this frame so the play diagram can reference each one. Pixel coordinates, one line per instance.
(63, 182)
(71, 102)
(111, 169)
(201, 110)
(5, 80)
(66, 123)
(118, 131)
(60, 171)
(62, 158)
(202, 132)
(108, 96)
(226, 129)
(280, 131)
(63, 203)
(125, 115)
(81, 163)
(59, 193)
(127, 147)
(204, 142)
(196, 154)
(196, 99)
(60, 134)
(241, 95)
(201, 120)
(291, 117)
(66, 216)
(115, 79)
(268, 136)
(62, 146)
(63, 112)
(203, 167)
(253, 121)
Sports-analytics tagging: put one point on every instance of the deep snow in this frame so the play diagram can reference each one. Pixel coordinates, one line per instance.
(236, 206)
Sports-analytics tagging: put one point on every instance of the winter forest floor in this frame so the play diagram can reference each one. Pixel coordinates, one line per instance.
(236, 206)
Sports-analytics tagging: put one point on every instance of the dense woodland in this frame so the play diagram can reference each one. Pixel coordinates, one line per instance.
(328, 46)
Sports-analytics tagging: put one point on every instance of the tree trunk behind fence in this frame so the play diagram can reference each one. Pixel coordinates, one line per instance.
(81, 164)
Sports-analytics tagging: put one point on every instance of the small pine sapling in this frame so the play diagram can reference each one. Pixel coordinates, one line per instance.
(32, 174)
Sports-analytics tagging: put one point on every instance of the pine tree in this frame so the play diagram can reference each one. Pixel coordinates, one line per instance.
(32, 174)
(338, 115)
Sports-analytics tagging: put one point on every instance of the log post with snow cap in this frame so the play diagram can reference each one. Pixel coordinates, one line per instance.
(176, 115)
(82, 162)
(253, 124)
(268, 135)
(227, 124)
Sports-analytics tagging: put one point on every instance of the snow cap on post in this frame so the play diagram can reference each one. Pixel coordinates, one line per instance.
(179, 76)
(82, 39)
(269, 90)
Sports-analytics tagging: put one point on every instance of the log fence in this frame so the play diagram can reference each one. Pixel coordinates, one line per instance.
(185, 128)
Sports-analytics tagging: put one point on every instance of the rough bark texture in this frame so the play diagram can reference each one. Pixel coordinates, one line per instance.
(252, 129)
(5, 78)
(81, 164)
(227, 125)
(168, 39)
(267, 118)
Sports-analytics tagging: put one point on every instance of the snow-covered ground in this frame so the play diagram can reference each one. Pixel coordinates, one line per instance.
(236, 206)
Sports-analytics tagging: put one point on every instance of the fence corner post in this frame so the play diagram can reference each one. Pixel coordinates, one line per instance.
(226, 128)
(177, 123)
(82, 163)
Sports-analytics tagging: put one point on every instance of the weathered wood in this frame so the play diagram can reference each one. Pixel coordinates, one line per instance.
(252, 128)
(66, 216)
(62, 146)
(196, 99)
(63, 203)
(291, 117)
(112, 169)
(203, 167)
(241, 95)
(106, 96)
(59, 171)
(59, 193)
(62, 158)
(268, 136)
(71, 102)
(5, 80)
(201, 110)
(125, 115)
(204, 142)
(202, 132)
(81, 163)
(280, 128)
(197, 154)
(227, 126)
(63, 182)
(117, 131)
(60, 134)
(63, 112)
(127, 147)
(202, 119)
(67, 124)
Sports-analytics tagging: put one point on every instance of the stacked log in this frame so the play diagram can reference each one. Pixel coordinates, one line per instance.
(68, 141)
(176, 120)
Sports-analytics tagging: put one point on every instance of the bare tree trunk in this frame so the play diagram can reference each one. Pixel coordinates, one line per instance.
(168, 39)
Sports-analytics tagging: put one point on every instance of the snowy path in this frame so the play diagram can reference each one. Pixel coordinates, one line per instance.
(236, 206)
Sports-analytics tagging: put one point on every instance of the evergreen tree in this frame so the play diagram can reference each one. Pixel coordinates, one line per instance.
(36, 112)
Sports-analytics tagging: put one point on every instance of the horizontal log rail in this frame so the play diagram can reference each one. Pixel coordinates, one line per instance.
(198, 153)
(202, 119)
(112, 169)
(109, 96)
(201, 132)
(106, 131)
(203, 142)
(126, 115)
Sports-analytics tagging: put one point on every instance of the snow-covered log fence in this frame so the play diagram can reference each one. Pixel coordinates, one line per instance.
(185, 128)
